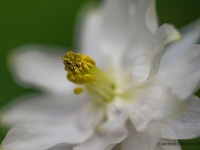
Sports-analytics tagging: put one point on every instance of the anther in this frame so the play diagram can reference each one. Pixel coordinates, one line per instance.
(78, 90)
(78, 67)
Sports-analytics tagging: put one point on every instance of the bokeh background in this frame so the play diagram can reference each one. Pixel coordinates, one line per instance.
(53, 22)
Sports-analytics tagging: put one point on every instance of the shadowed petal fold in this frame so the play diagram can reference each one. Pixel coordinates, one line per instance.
(62, 147)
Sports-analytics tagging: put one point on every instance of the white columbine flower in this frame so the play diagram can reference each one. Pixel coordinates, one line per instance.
(133, 90)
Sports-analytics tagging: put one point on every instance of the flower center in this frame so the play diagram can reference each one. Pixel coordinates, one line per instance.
(82, 70)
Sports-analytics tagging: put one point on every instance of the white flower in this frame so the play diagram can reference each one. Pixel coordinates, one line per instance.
(142, 94)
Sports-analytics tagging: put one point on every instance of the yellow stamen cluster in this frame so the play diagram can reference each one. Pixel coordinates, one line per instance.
(82, 70)
(78, 67)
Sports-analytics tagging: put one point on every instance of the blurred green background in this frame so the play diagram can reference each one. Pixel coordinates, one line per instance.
(52, 22)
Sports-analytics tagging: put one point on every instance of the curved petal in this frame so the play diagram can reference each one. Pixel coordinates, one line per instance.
(165, 144)
(40, 67)
(153, 104)
(190, 36)
(108, 135)
(186, 126)
(146, 62)
(146, 140)
(44, 134)
(164, 35)
(181, 74)
(35, 106)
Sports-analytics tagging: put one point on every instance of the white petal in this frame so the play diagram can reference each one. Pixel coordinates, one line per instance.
(41, 67)
(41, 135)
(153, 104)
(146, 140)
(182, 74)
(107, 136)
(35, 106)
(105, 32)
(186, 126)
(165, 144)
